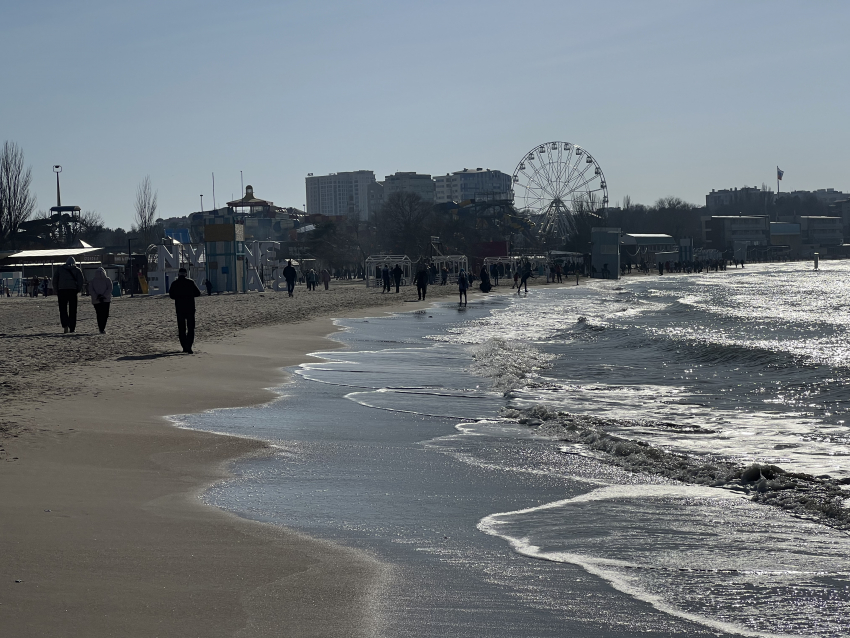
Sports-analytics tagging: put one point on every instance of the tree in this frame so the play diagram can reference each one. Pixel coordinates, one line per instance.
(404, 224)
(145, 224)
(17, 203)
(90, 226)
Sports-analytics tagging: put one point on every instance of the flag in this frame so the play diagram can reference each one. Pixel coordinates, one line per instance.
(779, 173)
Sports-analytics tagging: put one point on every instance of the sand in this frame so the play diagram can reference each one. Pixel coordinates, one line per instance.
(102, 528)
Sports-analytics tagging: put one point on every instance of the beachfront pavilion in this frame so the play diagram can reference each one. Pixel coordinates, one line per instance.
(20, 265)
(253, 204)
(453, 263)
(374, 262)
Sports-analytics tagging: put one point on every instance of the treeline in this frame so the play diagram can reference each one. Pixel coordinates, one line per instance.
(668, 216)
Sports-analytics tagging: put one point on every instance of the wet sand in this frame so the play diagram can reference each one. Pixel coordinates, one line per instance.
(102, 531)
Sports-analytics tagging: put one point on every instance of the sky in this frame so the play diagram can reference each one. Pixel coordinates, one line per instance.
(673, 98)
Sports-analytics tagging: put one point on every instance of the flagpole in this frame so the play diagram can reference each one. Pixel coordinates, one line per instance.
(777, 180)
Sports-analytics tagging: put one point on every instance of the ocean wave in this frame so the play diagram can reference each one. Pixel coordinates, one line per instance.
(820, 498)
(509, 364)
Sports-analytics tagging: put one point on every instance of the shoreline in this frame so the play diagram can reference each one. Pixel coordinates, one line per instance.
(102, 524)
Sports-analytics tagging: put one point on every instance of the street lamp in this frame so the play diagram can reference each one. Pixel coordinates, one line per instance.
(57, 169)
(202, 203)
(130, 264)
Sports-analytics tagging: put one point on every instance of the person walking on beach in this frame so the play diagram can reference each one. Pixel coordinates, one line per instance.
(290, 275)
(397, 273)
(34, 287)
(462, 285)
(526, 273)
(421, 282)
(485, 285)
(183, 291)
(100, 291)
(68, 282)
(326, 277)
(310, 277)
(208, 286)
(385, 277)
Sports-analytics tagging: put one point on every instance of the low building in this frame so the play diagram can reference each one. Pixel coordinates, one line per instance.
(841, 208)
(823, 195)
(744, 197)
(636, 248)
(475, 183)
(723, 232)
(824, 231)
(786, 234)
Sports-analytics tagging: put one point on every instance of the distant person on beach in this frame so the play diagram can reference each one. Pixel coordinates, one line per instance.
(385, 277)
(100, 291)
(311, 278)
(326, 277)
(68, 282)
(485, 285)
(183, 291)
(34, 287)
(397, 273)
(462, 285)
(526, 273)
(208, 286)
(444, 275)
(421, 281)
(290, 275)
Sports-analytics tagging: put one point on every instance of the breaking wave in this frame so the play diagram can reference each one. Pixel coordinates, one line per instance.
(819, 498)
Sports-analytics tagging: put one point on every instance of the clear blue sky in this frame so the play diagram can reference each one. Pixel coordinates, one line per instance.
(672, 97)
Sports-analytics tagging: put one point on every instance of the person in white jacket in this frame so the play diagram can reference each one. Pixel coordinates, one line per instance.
(100, 290)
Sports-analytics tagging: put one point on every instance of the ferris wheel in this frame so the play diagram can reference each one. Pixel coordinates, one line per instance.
(554, 182)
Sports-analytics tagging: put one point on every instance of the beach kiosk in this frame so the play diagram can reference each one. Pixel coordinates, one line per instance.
(605, 253)
(224, 249)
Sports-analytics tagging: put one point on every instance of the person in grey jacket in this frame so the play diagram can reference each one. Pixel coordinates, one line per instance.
(100, 290)
(68, 281)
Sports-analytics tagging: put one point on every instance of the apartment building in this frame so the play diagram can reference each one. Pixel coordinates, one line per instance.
(340, 194)
(474, 183)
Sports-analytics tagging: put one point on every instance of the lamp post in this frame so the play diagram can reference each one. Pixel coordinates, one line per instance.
(57, 169)
(130, 263)
(202, 203)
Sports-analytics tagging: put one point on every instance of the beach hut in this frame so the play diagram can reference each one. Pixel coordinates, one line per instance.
(375, 262)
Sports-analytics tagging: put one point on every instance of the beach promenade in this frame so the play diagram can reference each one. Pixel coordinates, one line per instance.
(102, 531)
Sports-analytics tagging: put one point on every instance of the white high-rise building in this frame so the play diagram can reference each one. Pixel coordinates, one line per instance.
(472, 183)
(417, 183)
(340, 194)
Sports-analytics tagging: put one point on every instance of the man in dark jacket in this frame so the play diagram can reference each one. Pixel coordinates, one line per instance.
(68, 282)
(397, 273)
(385, 277)
(290, 274)
(183, 291)
(422, 282)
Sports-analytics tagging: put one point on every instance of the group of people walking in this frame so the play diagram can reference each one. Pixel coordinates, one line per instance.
(69, 282)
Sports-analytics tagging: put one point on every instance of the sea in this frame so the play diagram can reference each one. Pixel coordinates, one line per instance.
(654, 456)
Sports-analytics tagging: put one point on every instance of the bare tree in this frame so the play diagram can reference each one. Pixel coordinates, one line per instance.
(404, 222)
(145, 207)
(17, 203)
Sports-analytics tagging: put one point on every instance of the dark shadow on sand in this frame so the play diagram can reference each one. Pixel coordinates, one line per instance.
(148, 357)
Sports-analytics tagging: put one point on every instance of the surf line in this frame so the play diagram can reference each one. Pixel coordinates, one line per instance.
(596, 567)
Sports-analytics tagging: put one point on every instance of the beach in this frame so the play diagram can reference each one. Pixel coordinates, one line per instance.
(102, 530)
